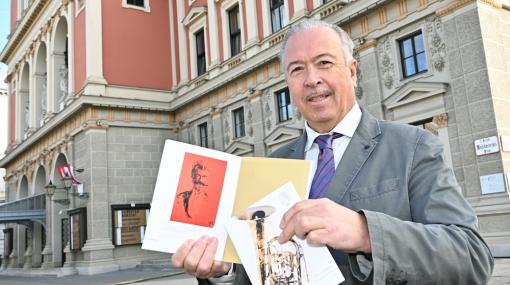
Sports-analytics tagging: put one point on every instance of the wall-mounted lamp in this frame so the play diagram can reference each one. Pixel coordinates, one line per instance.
(68, 187)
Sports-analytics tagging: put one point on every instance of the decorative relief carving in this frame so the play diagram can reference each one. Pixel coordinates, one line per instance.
(386, 62)
(226, 128)
(436, 43)
(249, 119)
(211, 132)
(441, 120)
(359, 76)
(267, 111)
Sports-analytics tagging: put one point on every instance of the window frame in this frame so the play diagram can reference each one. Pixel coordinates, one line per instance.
(281, 14)
(146, 8)
(414, 55)
(198, 55)
(239, 126)
(285, 112)
(234, 36)
(203, 136)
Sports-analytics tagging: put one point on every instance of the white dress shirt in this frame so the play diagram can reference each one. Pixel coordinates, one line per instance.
(347, 126)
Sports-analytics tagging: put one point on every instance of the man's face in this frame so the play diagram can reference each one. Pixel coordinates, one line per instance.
(201, 178)
(320, 81)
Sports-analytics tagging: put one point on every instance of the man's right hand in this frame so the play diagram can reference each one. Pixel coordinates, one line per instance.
(197, 258)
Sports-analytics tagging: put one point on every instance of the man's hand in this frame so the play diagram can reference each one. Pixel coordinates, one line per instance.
(197, 258)
(324, 222)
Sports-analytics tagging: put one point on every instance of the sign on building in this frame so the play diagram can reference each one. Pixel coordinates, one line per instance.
(129, 224)
(486, 145)
(493, 183)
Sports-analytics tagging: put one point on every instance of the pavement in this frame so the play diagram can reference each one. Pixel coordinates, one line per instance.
(171, 276)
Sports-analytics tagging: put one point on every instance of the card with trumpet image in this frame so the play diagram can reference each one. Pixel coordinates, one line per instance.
(254, 232)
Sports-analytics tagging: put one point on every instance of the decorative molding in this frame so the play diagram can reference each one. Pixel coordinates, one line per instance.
(386, 62)
(453, 7)
(366, 45)
(437, 46)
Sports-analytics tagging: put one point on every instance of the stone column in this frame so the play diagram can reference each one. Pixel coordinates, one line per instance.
(252, 29)
(257, 123)
(48, 251)
(36, 245)
(98, 248)
(27, 264)
(217, 130)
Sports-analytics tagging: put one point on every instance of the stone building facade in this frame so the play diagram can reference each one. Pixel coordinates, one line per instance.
(103, 95)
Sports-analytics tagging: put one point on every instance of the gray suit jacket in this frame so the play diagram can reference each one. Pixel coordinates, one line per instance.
(421, 228)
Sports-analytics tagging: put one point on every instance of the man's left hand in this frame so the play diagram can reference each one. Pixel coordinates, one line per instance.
(324, 222)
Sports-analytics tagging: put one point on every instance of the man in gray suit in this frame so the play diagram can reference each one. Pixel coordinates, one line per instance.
(392, 212)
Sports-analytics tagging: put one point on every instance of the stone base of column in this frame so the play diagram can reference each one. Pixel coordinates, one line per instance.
(98, 257)
(5, 263)
(13, 261)
(48, 258)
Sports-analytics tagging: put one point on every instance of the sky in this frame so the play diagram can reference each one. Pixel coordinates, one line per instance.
(4, 32)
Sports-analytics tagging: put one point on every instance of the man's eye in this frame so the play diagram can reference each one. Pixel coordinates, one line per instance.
(296, 70)
(325, 63)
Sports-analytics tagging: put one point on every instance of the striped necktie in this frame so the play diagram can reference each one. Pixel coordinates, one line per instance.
(325, 165)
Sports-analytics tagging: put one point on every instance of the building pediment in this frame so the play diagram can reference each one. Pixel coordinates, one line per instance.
(281, 135)
(416, 101)
(194, 14)
(240, 148)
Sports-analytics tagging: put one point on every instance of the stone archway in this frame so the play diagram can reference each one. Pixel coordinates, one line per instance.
(41, 85)
(60, 65)
(23, 104)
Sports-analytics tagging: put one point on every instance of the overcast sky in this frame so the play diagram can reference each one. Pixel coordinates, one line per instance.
(4, 31)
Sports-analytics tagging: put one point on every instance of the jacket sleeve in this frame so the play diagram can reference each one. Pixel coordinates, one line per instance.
(441, 243)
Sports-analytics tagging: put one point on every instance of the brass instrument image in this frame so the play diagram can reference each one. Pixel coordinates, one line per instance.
(278, 263)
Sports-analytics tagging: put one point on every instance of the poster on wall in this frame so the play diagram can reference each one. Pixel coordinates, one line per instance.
(77, 228)
(129, 224)
(493, 183)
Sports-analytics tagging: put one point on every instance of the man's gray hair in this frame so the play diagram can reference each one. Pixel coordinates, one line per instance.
(347, 43)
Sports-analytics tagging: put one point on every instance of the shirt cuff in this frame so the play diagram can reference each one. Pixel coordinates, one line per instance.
(226, 279)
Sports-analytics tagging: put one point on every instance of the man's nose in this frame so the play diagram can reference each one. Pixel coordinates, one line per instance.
(313, 77)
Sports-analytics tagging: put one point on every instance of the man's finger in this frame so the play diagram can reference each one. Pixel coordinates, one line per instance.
(318, 237)
(205, 264)
(181, 253)
(298, 207)
(195, 254)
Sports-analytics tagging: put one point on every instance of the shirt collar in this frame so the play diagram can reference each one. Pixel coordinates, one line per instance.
(347, 126)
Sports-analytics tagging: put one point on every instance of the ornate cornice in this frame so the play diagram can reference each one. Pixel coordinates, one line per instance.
(453, 7)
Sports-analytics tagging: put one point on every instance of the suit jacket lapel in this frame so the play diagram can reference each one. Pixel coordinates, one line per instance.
(358, 151)
(298, 148)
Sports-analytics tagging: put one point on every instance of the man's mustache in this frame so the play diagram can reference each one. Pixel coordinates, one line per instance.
(318, 92)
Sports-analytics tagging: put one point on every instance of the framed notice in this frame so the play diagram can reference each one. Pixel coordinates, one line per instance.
(493, 183)
(77, 228)
(486, 145)
(129, 223)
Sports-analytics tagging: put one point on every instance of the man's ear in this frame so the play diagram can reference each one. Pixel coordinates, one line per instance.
(352, 69)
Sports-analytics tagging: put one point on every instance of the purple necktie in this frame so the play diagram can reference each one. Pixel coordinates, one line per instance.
(325, 165)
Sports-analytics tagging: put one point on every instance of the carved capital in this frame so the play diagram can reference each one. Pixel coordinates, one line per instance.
(441, 120)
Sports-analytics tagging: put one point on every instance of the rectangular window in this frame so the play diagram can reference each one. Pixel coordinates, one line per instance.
(139, 3)
(235, 30)
(129, 223)
(412, 53)
(202, 129)
(200, 47)
(239, 123)
(276, 7)
(284, 107)
(325, 1)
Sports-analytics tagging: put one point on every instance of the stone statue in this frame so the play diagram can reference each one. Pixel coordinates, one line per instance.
(27, 116)
(43, 98)
(62, 71)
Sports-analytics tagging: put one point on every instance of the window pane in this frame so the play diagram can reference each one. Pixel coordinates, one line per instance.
(407, 48)
(409, 67)
(239, 123)
(422, 62)
(418, 43)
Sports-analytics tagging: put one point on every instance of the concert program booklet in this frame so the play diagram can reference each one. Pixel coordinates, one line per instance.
(198, 190)
(254, 233)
